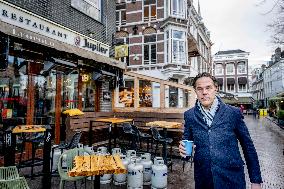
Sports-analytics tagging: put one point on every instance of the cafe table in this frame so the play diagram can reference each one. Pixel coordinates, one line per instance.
(10, 148)
(97, 165)
(165, 125)
(112, 122)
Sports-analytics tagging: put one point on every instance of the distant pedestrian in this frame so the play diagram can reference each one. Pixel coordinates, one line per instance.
(242, 108)
(215, 128)
(254, 113)
(257, 113)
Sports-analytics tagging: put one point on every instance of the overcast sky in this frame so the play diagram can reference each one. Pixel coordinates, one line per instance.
(239, 24)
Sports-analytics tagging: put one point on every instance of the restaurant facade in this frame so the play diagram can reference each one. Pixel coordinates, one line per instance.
(56, 56)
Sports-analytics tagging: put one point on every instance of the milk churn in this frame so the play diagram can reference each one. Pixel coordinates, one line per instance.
(89, 149)
(116, 151)
(106, 178)
(159, 174)
(119, 179)
(80, 145)
(102, 150)
(130, 153)
(135, 174)
(55, 158)
(147, 168)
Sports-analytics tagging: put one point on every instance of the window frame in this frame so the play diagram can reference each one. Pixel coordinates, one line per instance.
(150, 44)
(181, 9)
(149, 6)
(242, 90)
(180, 42)
(245, 70)
(219, 64)
(233, 69)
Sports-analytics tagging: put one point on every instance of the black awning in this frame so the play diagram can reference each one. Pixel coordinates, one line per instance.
(230, 81)
(242, 80)
(220, 81)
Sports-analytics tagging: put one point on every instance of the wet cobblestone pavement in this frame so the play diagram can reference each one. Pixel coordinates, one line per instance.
(269, 142)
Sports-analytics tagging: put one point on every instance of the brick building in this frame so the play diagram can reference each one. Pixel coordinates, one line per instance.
(166, 39)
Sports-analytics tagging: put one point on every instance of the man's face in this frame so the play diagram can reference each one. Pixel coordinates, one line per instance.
(206, 91)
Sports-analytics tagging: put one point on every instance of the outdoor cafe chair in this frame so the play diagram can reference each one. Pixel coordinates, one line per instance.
(9, 178)
(67, 146)
(17, 183)
(36, 140)
(130, 135)
(8, 173)
(159, 139)
(142, 136)
(63, 168)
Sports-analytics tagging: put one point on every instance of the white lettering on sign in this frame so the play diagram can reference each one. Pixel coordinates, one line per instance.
(21, 18)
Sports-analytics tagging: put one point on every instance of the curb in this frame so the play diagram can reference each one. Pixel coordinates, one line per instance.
(275, 122)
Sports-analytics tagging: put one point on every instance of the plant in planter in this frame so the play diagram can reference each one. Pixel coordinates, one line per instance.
(280, 115)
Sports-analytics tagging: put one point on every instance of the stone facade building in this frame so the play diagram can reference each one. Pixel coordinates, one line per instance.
(231, 70)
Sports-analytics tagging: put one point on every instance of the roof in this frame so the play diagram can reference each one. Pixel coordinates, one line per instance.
(230, 52)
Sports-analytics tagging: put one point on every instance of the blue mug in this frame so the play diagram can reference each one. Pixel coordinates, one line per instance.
(188, 147)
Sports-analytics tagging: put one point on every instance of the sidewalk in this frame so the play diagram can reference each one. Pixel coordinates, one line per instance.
(272, 119)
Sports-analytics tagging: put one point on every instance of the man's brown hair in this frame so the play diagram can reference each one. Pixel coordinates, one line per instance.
(205, 74)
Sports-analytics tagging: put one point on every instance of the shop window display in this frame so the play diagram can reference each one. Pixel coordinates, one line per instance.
(88, 92)
(145, 93)
(126, 94)
(173, 97)
(13, 93)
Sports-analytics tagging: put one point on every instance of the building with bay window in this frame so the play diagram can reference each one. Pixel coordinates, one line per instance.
(231, 70)
(166, 40)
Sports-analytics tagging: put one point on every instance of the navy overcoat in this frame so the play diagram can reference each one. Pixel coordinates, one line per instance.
(217, 156)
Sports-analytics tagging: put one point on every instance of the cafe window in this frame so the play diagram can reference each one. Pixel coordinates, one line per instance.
(173, 97)
(70, 90)
(126, 93)
(185, 98)
(88, 92)
(13, 90)
(145, 93)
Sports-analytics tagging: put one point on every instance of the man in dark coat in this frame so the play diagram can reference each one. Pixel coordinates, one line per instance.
(215, 128)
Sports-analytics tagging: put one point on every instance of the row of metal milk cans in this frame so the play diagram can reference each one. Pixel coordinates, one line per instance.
(141, 170)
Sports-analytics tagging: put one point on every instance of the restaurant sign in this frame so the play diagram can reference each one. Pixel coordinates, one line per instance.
(26, 20)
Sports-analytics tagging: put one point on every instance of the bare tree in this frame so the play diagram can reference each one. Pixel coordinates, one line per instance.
(276, 25)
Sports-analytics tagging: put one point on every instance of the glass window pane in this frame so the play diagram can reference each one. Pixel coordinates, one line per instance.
(178, 34)
(70, 90)
(173, 96)
(145, 93)
(123, 15)
(146, 12)
(117, 16)
(88, 92)
(153, 53)
(146, 54)
(153, 11)
(126, 93)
